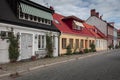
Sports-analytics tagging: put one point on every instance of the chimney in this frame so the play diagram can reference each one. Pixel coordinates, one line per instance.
(97, 14)
(93, 12)
(101, 17)
(51, 8)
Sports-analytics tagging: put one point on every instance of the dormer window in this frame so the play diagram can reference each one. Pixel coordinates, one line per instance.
(56, 21)
(31, 13)
(77, 25)
(31, 17)
(35, 18)
(26, 16)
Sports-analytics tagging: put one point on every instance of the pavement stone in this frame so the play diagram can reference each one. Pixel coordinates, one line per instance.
(23, 66)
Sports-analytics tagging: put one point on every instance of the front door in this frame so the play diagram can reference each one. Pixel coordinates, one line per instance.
(26, 45)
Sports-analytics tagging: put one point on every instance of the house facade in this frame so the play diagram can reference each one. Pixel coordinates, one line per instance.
(100, 39)
(32, 22)
(118, 37)
(73, 33)
(106, 28)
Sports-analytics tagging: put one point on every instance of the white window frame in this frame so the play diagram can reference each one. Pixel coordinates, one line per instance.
(42, 41)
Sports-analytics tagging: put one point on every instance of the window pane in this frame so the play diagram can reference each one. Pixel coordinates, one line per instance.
(71, 43)
(77, 43)
(43, 46)
(63, 43)
(39, 41)
(81, 44)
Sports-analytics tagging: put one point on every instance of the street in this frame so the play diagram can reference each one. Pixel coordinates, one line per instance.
(99, 67)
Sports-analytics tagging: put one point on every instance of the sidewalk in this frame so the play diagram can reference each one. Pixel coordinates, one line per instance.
(19, 67)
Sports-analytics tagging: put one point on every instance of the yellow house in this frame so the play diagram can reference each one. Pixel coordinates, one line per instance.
(76, 41)
(73, 33)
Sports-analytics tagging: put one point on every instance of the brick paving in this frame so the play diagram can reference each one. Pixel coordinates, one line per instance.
(9, 68)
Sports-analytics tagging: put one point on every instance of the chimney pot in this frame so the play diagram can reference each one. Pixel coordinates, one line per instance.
(51, 8)
(97, 14)
(93, 12)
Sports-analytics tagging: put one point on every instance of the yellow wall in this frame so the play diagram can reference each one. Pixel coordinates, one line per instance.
(74, 37)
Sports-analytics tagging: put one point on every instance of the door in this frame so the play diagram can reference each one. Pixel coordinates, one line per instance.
(26, 45)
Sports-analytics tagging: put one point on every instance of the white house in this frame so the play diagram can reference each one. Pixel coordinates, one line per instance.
(106, 28)
(32, 22)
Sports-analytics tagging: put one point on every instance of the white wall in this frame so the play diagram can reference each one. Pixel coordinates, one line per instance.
(101, 44)
(101, 25)
(115, 37)
(21, 29)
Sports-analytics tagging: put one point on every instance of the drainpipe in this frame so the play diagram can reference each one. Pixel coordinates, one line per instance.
(59, 43)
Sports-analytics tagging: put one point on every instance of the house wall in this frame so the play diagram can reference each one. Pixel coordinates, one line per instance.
(94, 21)
(24, 30)
(101, 44)
(115, 37)
(74, 37)
(110, 31)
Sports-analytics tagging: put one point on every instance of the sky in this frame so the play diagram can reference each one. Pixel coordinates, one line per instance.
(109, 9)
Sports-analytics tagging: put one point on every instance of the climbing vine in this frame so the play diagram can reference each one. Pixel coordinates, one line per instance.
(49, 45)
(13, 47)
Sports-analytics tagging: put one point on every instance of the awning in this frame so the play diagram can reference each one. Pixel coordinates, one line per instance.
(78, 23)
(35, 11)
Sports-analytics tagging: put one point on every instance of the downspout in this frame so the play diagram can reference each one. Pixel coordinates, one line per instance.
(59, 43)
(107, 37)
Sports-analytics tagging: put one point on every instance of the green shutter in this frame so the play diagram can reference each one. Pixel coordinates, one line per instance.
(35, 12)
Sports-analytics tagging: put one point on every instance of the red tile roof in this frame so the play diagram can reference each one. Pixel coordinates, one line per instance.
(92, 29)
(63, 27)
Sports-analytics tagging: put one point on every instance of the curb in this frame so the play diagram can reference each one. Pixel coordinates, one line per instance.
(50, 64)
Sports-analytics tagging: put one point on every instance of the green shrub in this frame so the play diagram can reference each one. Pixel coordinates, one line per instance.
(92, 47)
(116, 46)
(90, 50)
(86, 50)
(110, 46)
(13, 48)
(76, 53)
(69, 51)
(49, 46)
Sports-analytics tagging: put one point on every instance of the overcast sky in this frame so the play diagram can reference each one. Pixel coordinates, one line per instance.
(110, 9)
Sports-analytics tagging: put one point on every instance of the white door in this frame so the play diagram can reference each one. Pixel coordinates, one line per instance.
(26, 45)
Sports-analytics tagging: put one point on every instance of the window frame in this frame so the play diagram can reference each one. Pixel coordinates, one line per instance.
(64, 43)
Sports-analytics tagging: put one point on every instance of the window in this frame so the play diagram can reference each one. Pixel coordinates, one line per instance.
(71, 43)
(82, 44)
(64, 43)
(46, 21)
(56, 21)
(41, 41)
(89, 43)
(42, 20)
(21, 15)
(31, 17)
(77, 25)
(26, 16)
(49, 22)
(35, 18)
(39, 19)
(97, 43)
(5, 34)
(77, 43)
